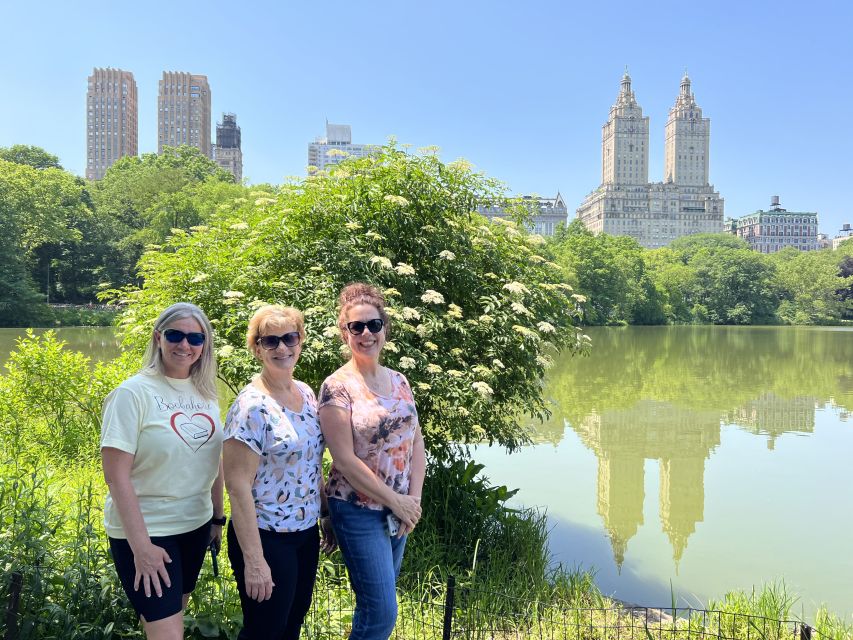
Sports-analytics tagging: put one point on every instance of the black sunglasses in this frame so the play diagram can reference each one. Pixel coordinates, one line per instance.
(271, 342)
(356, 327)
(175, 336)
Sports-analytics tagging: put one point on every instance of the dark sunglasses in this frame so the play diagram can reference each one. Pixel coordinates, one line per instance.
(356, 327)
(175, 336)
(271, 342)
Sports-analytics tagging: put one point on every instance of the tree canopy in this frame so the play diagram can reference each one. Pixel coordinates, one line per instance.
(476, 307)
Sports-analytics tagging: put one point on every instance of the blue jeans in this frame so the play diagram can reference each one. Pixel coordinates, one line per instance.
(373, 560)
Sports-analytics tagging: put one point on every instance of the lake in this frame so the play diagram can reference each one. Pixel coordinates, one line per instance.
(706, 458)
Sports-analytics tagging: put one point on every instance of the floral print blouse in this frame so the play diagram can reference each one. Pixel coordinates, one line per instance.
(383, 432)
(287, 485)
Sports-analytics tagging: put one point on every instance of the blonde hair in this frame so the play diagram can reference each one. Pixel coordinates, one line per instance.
(272, 314)
(356, 293)
(203, 370)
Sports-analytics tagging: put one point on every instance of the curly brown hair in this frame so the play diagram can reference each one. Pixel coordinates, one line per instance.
(356, 293)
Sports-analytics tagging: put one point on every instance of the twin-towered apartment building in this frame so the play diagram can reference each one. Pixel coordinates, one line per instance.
(183, 118)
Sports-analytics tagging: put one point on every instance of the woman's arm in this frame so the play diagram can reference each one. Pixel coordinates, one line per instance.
(148, 559)
(416, 480)
(218, 500)
(335, 424)
(241, 467)
(328, 542)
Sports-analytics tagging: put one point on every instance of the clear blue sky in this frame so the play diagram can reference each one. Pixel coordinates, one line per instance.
(520, 88)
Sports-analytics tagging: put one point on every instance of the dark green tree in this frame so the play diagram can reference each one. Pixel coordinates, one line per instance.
(32, 156)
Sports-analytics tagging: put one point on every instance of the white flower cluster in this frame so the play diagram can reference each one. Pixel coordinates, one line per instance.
(382, 261)
(447, 255)
(521, 309)
(433, 368)
(404, 269)
(407, 363)
(482, 388)
(398, 200)
(516, 288)
(432, 297)
(546, 327)
(454, 311)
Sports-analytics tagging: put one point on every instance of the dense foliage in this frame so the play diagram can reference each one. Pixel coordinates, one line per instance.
(475, 307)
(64, 237)
(705, 279)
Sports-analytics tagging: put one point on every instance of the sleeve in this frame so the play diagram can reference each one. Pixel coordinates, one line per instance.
(247, 422)
(408, 396)
(309, 394)
(334, 393)
(121, 420)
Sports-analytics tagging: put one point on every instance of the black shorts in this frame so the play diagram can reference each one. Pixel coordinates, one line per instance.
(187, 553)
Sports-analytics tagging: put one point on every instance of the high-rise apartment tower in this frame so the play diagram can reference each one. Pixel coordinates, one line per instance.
(111, 120)
(335, 147)
(228, 154)
(183, 112)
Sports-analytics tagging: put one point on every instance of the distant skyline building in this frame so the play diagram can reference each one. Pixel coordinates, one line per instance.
(547, 215)
(844, 234)
(774, 230)
(654, 213)
(335, 147)
(112, 120)
(228, 153)
(183, 112)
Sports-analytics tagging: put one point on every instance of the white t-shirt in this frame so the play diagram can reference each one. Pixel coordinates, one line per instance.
(175, 435)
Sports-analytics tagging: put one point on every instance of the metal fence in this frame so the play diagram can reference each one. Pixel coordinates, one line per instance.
(451, 611)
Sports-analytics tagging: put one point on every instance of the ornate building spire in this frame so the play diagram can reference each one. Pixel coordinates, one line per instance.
(626, 95)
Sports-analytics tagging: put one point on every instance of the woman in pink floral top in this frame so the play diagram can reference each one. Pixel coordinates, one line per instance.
(369, 421)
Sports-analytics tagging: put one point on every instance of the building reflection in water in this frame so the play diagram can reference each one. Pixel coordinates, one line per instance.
(665, 394)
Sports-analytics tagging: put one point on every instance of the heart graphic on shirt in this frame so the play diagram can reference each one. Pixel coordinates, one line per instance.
(194, 430)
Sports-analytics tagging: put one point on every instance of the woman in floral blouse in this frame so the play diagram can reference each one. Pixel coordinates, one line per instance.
(370, 423)
(273, 456)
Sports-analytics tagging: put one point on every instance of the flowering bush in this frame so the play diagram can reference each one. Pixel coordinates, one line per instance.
(475, 306)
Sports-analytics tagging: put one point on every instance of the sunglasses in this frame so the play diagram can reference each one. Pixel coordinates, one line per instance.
(271, 342)
(356, 327)
(175, 336)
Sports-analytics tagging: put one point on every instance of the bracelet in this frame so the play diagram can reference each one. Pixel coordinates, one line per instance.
(220, 522)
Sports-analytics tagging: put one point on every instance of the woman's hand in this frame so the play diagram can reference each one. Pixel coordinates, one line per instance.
(328, 541)
(408, 510)
(150, 563)
(258, 579)
(215, 537)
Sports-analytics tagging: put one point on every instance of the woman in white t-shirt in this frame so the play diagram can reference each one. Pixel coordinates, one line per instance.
(161, 444)
(273, 457)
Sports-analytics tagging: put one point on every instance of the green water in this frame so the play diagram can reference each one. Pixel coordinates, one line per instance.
(708, 458)
(99, 343)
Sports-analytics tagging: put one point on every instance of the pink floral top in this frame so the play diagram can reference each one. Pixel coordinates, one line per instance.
(383, 432)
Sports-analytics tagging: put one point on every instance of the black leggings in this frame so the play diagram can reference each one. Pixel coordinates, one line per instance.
(292, 558)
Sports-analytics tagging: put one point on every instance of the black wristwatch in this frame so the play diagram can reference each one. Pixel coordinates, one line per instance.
(219, 521)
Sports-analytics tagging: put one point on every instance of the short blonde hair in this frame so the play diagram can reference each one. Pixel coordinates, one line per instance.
(203, 370)
(273, 314)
